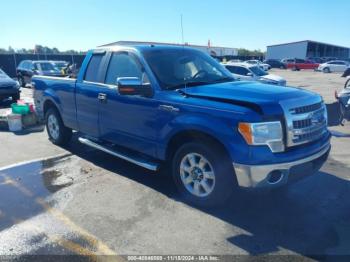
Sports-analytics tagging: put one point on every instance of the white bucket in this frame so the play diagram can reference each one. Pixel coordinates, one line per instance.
(14, 122)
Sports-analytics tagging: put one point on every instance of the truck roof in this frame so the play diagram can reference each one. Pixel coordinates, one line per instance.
(143, 47)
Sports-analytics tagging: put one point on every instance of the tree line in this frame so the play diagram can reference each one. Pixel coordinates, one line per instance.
(246, 52)
(39, 49)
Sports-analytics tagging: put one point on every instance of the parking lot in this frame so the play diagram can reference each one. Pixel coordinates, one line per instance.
(77, 200)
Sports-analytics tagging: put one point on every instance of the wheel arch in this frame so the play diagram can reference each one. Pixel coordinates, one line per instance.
(49, 104)
(191, 135)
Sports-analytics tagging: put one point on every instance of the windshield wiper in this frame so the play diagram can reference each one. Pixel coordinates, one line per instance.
(188, 84)
(224, 79)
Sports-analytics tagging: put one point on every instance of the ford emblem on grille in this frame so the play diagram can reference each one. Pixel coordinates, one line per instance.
(317, 118)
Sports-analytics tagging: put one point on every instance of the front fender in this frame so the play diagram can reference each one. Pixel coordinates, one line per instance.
(225, 131)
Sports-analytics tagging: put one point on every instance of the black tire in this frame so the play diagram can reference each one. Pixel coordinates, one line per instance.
(225, 181)
(342, 112)
(347, 84)
(16, 97)
(62, 134)
(21, 81)
(295, 68)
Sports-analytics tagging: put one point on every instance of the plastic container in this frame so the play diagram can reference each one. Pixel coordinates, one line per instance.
(15, 122)
(20, 109)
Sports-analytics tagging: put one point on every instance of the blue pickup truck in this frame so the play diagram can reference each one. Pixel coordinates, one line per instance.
(154, 104)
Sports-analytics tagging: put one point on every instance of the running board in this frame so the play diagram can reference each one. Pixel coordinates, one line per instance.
(137, 160)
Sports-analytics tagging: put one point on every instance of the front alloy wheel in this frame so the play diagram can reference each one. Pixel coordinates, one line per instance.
(203, 173)
(197, 175)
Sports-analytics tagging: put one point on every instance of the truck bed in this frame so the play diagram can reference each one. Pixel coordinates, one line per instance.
(61, 92)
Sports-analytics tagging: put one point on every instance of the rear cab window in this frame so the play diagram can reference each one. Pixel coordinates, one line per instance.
(92, 73)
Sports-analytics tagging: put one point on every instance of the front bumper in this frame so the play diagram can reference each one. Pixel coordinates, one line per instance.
(265, 176)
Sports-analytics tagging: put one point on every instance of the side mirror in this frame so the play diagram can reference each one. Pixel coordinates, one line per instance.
(132, 86)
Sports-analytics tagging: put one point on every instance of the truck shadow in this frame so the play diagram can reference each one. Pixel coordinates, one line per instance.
(309, 218)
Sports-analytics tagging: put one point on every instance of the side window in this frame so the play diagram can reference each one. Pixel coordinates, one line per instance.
(93, 68)
(122, 65)
(232, 69)
(242, 71)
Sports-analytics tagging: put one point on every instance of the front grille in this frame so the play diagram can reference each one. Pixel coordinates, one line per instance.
(306, 109)
(302, 123)
(305, 123)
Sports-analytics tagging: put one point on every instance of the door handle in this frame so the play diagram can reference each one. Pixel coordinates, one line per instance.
(102, 97)
(169, 108)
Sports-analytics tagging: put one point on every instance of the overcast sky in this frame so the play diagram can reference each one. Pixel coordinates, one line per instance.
(254, 24)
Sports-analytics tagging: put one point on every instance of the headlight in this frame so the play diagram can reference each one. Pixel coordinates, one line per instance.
(264, 133)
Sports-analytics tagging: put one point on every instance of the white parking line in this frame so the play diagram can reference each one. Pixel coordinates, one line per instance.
(35, 160)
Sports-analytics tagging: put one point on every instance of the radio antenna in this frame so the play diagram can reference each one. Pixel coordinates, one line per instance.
(182, 31)
(183, 49)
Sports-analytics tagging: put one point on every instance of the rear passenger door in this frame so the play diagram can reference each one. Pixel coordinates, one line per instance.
(87, 95)
(339, 66)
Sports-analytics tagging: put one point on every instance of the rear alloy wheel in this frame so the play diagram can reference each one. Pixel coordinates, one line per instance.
(326, 70)
(203, 174)
(58, 133)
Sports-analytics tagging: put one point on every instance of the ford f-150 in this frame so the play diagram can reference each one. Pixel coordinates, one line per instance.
(154, 104)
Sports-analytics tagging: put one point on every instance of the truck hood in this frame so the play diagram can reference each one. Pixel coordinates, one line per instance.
(262, 98)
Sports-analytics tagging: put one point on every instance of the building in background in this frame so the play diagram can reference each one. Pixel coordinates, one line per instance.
(211, 50)
(307, 49)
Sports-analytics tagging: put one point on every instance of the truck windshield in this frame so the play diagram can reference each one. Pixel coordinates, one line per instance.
(177, 67)
(258, 71)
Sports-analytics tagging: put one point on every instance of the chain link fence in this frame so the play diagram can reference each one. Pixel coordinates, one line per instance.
(9, 62)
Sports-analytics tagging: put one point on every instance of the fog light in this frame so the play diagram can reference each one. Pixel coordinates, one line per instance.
(275, 177)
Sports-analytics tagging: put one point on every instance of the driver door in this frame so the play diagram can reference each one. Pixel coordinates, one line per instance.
(127, 120)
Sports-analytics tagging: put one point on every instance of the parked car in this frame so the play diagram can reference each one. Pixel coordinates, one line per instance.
(28, 68)
(262, 65)
(254, 73)
(346, 72)
(154, 104)
(8, 87)
(333, 66)
(274, 63)
(60, 65)
(344, 102)
(298, 64)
